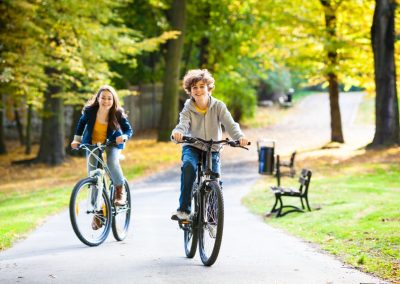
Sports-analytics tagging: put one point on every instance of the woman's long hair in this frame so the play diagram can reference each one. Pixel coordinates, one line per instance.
(116, 111)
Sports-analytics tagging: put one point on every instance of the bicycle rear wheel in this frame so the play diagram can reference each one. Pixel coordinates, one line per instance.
(212, 225)
(122, 216)
(190, 235)
(83, 210)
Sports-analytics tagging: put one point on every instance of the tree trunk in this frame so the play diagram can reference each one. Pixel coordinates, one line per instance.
(203, 58)
(28, 138)
(169, 107)
(3, 149)
(204, 42)
(52, 149)
(387, 130)
(332, 62)
(19, 126)
(336, 120)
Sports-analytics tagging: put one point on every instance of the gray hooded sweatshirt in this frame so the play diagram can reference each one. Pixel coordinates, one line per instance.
(207, 126)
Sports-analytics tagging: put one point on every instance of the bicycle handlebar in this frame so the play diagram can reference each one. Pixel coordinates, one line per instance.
(232, 143)
(93, 146)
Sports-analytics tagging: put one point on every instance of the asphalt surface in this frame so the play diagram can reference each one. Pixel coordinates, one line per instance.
(251, 252)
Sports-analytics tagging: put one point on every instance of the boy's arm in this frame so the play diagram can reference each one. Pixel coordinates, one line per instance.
(184, 122)
(230, 125)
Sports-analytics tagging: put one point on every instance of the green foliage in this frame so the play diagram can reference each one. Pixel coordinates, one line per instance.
(305, 50)
(238, 95)
(21, 72)
(278, 80)
(148, 18)
(68, 44)
(219, 38)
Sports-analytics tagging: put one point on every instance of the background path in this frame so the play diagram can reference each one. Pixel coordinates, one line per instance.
(252, 252)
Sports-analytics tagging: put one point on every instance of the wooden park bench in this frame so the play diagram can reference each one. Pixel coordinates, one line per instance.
(281, 165)
(302, 193)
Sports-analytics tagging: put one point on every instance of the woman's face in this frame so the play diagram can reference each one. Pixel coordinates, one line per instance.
(106, 100)
(199, 89)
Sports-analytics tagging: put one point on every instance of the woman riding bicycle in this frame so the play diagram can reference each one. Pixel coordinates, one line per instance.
(202, 116)
(103, 119)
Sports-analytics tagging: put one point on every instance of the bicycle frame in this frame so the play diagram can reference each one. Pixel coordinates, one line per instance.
(204, 177)
(101, 170)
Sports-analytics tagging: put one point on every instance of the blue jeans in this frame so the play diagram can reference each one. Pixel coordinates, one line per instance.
(112, 163)
(190, 157)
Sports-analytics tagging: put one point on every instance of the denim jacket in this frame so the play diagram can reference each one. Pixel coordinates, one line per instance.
(84, 130)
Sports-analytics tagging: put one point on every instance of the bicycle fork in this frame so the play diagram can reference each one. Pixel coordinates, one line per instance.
(95, 192)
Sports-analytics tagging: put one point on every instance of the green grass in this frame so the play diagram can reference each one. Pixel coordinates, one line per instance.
(21, 212)
(359, 216)
(298, 95)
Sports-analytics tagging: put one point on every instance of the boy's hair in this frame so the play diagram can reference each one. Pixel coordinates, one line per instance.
(196, 75)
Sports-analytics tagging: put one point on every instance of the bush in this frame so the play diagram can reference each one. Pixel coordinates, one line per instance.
(237, 93)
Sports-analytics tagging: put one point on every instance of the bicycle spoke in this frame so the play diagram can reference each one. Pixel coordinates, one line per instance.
(121, 216)
(212, 227)
(87, 208)
(190, 230)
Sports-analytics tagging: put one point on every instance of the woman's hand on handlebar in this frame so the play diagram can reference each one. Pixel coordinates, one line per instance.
(120, 139)
(177, 136)
(75, 144)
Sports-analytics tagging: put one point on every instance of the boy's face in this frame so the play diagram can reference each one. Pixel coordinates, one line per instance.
(199, 89)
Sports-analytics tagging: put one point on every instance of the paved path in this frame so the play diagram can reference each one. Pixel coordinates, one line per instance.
(252, 252)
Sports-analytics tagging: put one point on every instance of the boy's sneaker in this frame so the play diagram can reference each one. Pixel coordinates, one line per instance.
(180, 216)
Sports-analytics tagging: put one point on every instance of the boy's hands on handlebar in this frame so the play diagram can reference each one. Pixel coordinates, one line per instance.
(243, 141)
(178, 137)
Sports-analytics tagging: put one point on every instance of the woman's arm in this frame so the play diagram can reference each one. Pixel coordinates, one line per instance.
(81, 126)
(126, 127)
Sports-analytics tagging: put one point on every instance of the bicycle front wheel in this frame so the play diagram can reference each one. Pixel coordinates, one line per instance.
(212, 225)
(122, 216)
(191, 230)
(90, 212)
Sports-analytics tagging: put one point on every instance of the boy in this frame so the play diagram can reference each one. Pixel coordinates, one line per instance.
(202, 116)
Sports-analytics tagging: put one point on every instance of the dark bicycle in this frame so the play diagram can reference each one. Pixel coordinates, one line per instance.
(206, 222)
(93, 198)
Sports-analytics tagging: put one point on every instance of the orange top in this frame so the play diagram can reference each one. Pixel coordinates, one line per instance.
(99, 132)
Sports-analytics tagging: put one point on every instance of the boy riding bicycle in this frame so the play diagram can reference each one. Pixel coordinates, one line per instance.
(202, 116)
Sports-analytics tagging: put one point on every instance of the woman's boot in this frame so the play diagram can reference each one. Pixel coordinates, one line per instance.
(120, 196)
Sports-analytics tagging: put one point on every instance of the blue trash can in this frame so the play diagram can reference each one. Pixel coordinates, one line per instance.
(266, 161)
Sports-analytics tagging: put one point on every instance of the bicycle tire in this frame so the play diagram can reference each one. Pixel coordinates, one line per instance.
(190, 235)
(120, 233)
(77, 201)
(212, 224)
